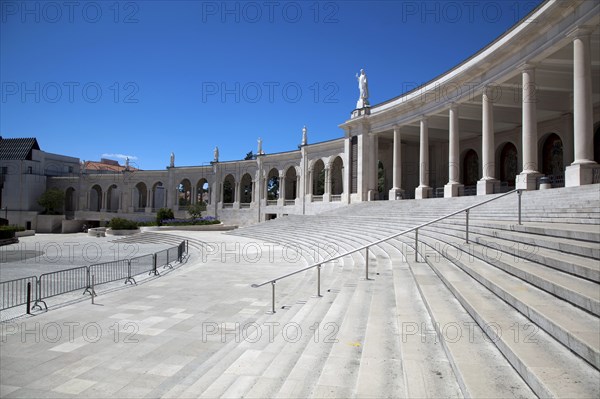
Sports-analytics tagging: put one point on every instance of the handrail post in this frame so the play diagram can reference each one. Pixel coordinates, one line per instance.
(319, 281)
(273, 299)
(467, 225)
(416, 244)
(366, 263)
(519, 195)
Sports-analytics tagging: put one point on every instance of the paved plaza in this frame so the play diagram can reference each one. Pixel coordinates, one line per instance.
(146, 340)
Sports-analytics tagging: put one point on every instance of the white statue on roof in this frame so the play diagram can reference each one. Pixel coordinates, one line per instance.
(363, 87)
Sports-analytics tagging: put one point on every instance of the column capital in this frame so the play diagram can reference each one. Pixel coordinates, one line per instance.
(396, 127)
(528, 66)
(453, 106)
(423, 118)
(579, 31)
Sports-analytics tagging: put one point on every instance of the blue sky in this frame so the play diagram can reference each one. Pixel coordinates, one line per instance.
(147, 78)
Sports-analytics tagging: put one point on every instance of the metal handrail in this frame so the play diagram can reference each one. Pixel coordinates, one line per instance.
(366, 246)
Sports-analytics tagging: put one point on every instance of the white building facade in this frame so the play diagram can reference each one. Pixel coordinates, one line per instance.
(526, 106)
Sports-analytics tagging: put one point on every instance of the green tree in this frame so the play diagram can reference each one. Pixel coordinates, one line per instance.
(196, 210)
(52, 201)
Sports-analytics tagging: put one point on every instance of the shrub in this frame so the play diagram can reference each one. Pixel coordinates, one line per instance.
(122, 224)
(196, 210)
(163, 214)
(9, 231)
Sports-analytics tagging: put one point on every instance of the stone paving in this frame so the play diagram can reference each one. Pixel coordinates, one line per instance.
(43, 253)
(143, 340)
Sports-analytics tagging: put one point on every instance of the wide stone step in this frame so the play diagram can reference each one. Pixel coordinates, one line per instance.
(481, 369)
(548, 367)
(572, 327)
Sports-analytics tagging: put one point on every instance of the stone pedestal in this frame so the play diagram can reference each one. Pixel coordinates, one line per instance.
(527, 181)
(487, 186)
(396, 194)
(372, 195)
(580, 174)
(453, 189)
(422, 192)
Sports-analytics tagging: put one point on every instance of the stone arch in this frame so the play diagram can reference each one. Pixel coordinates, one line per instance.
(229, 189)
(508, 163)
(246, 189)
(203, 191)
(470, 168)
(552, 155)
(70, 200)
(113, 198)
(291, 183)
(184, 196)
(318, 178)
(140, 196)
(273, 185)
(96, 198)
(337, 176)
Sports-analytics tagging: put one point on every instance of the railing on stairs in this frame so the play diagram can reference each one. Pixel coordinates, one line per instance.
(366, 247)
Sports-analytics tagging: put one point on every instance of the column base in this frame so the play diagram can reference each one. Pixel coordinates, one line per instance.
(487, 186)
(396, 194)
(372, 195)
(581, 174)
(422, 192)
(453, 190)
(527, 180)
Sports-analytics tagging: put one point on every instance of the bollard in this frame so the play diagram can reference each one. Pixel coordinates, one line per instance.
(29, 298)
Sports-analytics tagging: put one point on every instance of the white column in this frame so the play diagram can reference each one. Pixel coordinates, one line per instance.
(396, 192)
(424, 191)
(281, 198)
(453, 188)
(487, 182)
(526, 179)
(580, 172)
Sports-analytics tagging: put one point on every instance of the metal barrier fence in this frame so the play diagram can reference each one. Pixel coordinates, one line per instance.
(15, 292)
(35, 289)
(110, 271)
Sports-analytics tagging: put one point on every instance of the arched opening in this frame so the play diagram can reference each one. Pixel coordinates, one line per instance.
(337, 176)
(382, 193)
(318, 178)
(202, 192)
(184, 189)
(228, 190)
(112, 198)
(291, 183)
(273, 185)
(158, 195)
(470, 168)
(552, 156)
(70, 200)
(140, 197)
(597, 145)
(246, 189)
(509, 159)
(96, 198)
